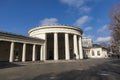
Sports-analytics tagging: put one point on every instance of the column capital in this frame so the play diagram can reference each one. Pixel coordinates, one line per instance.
(35, 44)
(12, 41)
(55, 32)
(67, 33)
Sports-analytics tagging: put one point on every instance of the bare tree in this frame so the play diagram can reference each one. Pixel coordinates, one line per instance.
(115, 28)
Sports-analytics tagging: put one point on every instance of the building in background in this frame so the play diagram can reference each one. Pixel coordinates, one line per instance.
(91, 50)
(87, 42)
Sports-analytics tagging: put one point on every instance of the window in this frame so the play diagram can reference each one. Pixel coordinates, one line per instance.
(98, 53)
(93, 53)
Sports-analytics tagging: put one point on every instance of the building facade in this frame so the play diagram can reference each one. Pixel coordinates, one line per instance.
(20, 48)
(61, 42)
(95, 52)
(91, 50)
(87, 42)
(53, 42)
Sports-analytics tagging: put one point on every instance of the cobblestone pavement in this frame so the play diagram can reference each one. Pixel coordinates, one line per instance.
(89, 69)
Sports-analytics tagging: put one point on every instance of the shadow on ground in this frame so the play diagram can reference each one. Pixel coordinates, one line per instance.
(117, 61)
(106, 71)
(8, 65)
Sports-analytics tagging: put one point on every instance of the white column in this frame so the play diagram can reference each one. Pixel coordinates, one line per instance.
(41, 53)
(75, 46)
(44, 51)
(33, 53)
(80, 48)
(11, 58)
(55, 46)
(67, 50)
(44, 48)
(24, 53)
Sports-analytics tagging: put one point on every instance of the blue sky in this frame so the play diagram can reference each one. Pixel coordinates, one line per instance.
(92, 16)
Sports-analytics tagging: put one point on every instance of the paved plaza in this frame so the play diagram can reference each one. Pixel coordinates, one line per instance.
(88, 69)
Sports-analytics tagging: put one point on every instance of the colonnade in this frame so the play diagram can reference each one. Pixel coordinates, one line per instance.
(12, 47)
(77, 46)
(77, 49)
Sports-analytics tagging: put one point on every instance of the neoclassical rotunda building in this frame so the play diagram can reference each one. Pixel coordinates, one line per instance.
(61, 42)
(47, 42)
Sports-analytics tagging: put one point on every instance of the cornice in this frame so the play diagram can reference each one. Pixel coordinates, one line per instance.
(55, 26)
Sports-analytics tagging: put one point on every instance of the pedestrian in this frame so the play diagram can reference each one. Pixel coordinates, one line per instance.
(74, 56)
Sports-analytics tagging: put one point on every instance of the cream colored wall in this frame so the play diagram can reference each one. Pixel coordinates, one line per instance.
(95, 52)
(103, 53)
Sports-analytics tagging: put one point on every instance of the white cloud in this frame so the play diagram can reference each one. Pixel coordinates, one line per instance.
(80, 21)
(103, 39)
(73, 3)
(88, 36)
(88, 29)
(104, 28)
(85, 9)
(80, 5)
(48, 21)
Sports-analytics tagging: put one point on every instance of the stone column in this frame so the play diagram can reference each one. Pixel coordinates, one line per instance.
(55, 46)
(41, 53)
(33, 53)
(75, 46)
(67, 50)
(44, 54)
(11, 58)
(24, 53)
(44, 48)
(80, 48)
